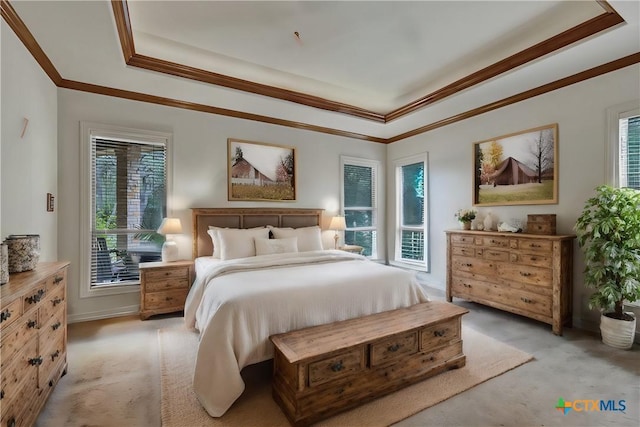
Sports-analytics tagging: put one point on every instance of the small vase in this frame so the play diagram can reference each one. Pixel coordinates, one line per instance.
(465, 225)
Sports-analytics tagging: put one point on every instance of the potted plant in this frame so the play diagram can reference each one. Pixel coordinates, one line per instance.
(465, 216)
(608, 231)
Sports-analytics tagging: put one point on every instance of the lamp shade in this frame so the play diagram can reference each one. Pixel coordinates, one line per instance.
(337, 223)
(170, 226)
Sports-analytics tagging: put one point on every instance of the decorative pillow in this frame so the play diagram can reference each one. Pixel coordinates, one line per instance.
(276, 246)
(215, 239)
(239, 243)
(309, 238)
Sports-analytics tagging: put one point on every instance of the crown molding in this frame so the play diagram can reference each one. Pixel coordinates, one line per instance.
(608, 19)
(23, 33)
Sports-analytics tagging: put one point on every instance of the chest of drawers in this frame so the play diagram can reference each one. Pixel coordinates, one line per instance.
(325, 369)
(526, 274)
(33, 341)
(164, 286)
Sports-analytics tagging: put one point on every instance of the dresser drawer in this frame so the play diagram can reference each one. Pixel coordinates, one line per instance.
(57, 280)
(440, 334)
(537, 260)
(391, 349)
(51, 304)
(463, 240)
(495, 242)
(463, 251)
(535, 245)
(10, 313)
(18, 412)
(22, 371)
(473, 265)
(165, 299)
(336, 367)
(507, 296)
(495, 255)
(167, 278)
(51, 357)
(13, 338)
(33, 298)
(52, 330)
(525, 274)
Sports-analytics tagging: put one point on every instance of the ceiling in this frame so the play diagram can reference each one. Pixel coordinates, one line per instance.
(371, 68)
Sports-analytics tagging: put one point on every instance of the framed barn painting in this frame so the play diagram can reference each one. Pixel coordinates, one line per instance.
(517, 169)
(260, 172)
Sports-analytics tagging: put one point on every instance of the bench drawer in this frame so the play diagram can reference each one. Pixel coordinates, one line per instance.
(393, 348)
(440, 334)
(336, 367)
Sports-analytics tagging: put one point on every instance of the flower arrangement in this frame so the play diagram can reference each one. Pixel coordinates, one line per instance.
(466, 215)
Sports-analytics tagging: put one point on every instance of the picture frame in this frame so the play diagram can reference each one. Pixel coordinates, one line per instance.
(258, 171)
(517, 169)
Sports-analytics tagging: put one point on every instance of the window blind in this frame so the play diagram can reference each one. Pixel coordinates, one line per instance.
(630, 152)
(412, 212)
(128, 185)
(360, 206)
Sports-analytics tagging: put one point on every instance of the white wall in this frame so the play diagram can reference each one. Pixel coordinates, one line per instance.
(199, 172)
(579, 110)
(29, 164)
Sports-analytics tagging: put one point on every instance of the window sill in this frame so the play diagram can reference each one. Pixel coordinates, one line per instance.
(418, 266)
(104, 290)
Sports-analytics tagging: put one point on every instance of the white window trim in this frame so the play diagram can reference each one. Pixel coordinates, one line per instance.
(612, 146)
(375, 165)
(89, 130)
(397, 261)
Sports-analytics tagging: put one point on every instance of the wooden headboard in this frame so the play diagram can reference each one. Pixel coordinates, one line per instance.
(246, 218)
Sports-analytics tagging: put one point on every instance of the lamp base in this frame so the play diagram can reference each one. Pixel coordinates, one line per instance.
(169, 251)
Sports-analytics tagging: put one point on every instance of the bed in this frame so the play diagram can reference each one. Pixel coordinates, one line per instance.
(239, 298)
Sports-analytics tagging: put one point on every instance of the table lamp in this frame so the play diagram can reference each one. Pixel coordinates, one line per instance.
(168, 227)
(338, 224)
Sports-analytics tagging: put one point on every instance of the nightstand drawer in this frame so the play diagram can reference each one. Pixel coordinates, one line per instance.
(165, 299)
(166, 278)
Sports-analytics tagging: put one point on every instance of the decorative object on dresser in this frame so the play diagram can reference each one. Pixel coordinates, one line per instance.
(465, 216)
(526, 274)
(517, 169)
(337, 224)
(4, 263)
(168, 227)
(322, 370)
(608, 230)
(33, 342)
(24, 252)
(164, 286)
(541, 224)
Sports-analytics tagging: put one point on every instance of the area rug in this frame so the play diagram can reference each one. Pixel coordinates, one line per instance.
(486, 358)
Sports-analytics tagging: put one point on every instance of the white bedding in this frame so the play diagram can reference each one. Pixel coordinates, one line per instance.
(236, 305)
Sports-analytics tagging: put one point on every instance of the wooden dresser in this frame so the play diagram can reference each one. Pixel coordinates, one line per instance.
(321, 370)
(33, 343)
(164, 286)
(526, 274)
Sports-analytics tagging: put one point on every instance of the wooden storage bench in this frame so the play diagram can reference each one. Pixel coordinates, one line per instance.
(322, 370)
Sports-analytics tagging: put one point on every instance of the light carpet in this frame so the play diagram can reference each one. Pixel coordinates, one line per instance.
(486, 358)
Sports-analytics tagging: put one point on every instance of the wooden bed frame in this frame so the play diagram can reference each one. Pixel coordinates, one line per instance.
(246, 218)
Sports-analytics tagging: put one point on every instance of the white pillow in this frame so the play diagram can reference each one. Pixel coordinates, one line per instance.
(215, 238)
(309, 238)
(276, 246)
(239, 243)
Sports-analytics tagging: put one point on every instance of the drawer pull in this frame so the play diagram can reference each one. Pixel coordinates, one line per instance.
(54, 355)
(533, 258)
(467, 265)
(337, 367)
(527, 300)
(535, 245)
(1, 394)
(168, 298)
(57, 280)
(394, 348)
(523, 274)
(5, 315)
(439, 333)
(36, 361)
(32, 324)
(50, 383)
(11, 422)
(466, 285)
(56, 301)
(56, 325)
(35, 297)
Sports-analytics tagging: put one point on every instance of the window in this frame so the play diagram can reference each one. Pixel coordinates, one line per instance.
(410, 247)
(125, 191)
(360, 204)
(623, 161)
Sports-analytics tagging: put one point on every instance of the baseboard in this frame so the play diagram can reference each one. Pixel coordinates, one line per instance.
(104, 314)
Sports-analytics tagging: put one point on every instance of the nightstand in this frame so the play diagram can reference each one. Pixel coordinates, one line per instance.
(352, 248)
(164, 286)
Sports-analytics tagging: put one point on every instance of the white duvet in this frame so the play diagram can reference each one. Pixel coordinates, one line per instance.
(236, 305)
